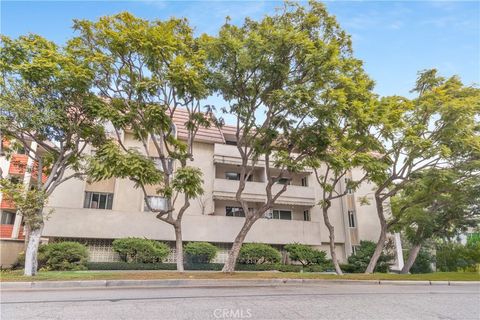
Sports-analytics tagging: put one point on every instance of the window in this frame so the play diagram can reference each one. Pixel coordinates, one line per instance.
(283, 181)
(352, 223)
(236, 176)
(306, 215)
(98, 200)
(231, 143)
(156, 203)
(305, 182)
(234, 212)
(354, 250)
(349, 190)
(279, 215)
(8, 217)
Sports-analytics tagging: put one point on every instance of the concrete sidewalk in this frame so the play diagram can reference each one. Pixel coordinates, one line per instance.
(199, 283)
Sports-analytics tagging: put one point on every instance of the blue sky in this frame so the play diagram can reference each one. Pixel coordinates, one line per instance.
(394, 39)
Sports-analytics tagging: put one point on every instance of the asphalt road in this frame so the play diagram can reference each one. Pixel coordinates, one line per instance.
(329, 301)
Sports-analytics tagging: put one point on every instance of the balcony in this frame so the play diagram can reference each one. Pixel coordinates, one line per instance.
(6, 232)
(18, 167)
(228, 154)
(108, 224)
(224, 189)
(7, 203)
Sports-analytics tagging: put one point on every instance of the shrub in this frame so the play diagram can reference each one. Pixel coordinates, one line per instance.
(66, 256)
(306, 255)
(423, 262)
(141, 250)
(200, 252)
(359, 261)
(347, 268)
(41, 259)
(122, 265)
(258, 253)
(452, 256)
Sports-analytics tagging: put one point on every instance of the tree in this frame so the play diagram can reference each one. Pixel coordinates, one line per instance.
(432, 130)
(46, 107)
(149, 71)
(346, 113)
(272, 73)
(437, 203)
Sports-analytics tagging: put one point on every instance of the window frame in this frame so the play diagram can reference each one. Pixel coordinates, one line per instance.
(88, 200)
(233, 213)
(306, 214)
(352, 219)
(145, 207)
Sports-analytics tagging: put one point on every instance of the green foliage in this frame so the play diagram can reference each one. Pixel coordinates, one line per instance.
(359, 261)
(200, 252)
(41, 258)
(141, 250)
(28, 202)
(306, 255)
(258, 253)
(453, 256)
(200, 266)
(122, 265)
(423, 262)
(65, 256)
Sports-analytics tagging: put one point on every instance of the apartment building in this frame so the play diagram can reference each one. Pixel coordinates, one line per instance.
(97, 213)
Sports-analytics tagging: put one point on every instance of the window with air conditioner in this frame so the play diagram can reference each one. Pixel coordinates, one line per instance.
(279, 214)
(234, 212)
(156, 203)
(236, 176)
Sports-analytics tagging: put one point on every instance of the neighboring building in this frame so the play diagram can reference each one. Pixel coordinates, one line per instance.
(96, 213)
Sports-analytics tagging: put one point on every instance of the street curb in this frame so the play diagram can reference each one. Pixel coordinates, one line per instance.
(200, 283)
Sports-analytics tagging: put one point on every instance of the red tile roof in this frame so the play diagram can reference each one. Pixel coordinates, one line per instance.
(211, 134)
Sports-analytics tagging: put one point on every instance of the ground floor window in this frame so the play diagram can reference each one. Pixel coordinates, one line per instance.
(98, 200)
(8, 217)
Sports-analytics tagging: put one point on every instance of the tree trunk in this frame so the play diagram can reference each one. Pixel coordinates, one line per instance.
(179, 246)
(331, 231)
(237, 244)
(381, 240)
(31, 261)
(412, 256)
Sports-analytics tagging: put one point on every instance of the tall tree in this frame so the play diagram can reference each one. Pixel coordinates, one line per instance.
(346, 113)
(272, 73)
(433, 130)
(149, 71)
(437, 203)
(46, 107)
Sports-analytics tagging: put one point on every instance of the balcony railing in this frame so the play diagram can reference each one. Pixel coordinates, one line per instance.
(87, 223)
(18, 166)
(224, 189)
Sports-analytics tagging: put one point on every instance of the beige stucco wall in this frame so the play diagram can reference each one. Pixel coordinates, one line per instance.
(205, 220)
(9, 250)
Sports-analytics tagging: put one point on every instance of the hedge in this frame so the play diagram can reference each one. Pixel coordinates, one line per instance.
(61, 256)
(199, 266)
(141, 250)
(258, 253)
(200, 252)
(306, 255)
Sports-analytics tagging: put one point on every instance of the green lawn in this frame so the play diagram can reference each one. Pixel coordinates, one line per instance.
(151, 275)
